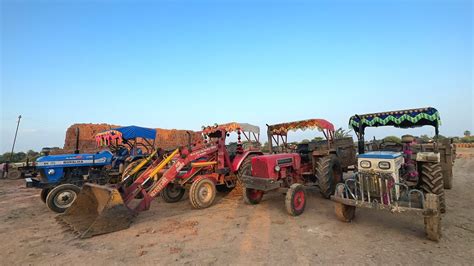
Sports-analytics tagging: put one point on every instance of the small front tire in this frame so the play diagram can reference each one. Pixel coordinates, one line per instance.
(252, 196)
(202, 193)
(61, 197)
(295, 201)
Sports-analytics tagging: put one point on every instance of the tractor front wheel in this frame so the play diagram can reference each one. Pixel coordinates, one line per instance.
(295, 201)
(202, 193)
(61, 197)
(44, 194)
(252, 196)
(344, 212)
(172, 193)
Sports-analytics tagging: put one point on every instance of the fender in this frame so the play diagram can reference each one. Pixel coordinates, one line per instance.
(213, 177)
(239, 158)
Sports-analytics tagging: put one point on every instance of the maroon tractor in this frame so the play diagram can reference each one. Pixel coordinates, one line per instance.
(292, 167)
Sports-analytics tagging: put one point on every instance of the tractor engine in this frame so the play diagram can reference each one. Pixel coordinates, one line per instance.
(276, 166)
(379, 175)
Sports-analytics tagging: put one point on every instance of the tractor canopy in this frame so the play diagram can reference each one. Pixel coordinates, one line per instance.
(232, 127)
(117, 135)
(410, 118)
(283, 128)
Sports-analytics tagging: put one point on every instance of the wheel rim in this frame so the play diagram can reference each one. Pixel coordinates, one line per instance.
(298, 200)
(65, 198)
(254, 194)
(205, 193)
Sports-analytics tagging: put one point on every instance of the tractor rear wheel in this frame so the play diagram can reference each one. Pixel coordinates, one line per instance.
(172, 193)
(14, 174)
(344, 212)
(224, 188)
(252, 196)
(295, 200)
(329, 173)
(44, 194)
(61, 197)
(244, 169)
(202, 193)
(432, 182)
(129, 168)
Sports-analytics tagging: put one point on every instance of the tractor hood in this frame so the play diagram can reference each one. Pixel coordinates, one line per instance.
(61, 160)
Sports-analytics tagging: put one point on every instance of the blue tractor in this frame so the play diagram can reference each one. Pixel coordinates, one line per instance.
(61, 176)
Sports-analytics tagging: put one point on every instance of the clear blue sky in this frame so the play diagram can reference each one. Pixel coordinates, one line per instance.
(183, 64)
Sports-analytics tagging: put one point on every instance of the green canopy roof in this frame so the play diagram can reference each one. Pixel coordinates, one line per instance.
(403, 119)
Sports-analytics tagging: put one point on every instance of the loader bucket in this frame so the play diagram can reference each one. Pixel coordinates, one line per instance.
(97, 210)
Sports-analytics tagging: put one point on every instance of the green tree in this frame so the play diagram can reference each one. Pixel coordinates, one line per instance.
(394, 139)
(318, 139)
(467, 133)
(425, 138)
(342, 133)
(18, 156)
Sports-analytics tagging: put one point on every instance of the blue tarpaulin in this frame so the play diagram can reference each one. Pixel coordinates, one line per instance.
(132, 132)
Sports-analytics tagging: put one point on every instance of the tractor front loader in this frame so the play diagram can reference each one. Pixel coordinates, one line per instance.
(202, 165)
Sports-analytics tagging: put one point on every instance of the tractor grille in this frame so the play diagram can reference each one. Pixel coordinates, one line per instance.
(259, 168)
(380, 188)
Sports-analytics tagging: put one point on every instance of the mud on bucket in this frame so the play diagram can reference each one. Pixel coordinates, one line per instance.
(97, 210)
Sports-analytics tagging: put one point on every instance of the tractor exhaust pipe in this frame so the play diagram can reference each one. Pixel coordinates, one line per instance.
(76, 151)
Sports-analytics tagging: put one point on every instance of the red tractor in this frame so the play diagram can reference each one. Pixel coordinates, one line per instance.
(202, 166)
(319, 163)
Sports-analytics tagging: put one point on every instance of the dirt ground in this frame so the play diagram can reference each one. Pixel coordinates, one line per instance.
(231, 232)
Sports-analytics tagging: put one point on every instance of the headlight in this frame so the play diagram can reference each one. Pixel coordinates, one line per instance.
(51, 172)
(384, 165)
(277, 168)
(365, 164)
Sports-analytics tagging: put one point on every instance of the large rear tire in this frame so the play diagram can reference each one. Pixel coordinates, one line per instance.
(202, 193)
(432, 182)
(130, 167)
(329, 173)
(61, 197)
(244, 169)
(14, 174)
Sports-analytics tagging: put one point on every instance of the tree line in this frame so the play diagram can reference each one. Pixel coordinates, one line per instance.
(19, 156)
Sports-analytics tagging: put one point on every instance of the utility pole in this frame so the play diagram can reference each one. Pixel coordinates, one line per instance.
(14, 140)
